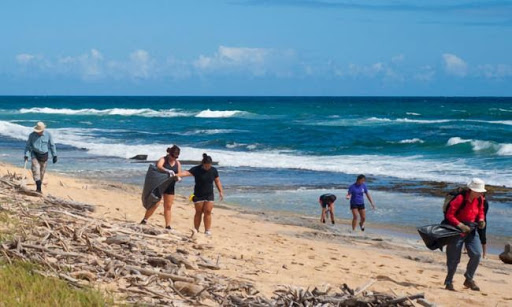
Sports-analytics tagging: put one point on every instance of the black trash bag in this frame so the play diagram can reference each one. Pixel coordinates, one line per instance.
(438, 235)
(155, 183)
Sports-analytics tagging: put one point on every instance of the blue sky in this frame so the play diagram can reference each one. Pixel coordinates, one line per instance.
(278, 47)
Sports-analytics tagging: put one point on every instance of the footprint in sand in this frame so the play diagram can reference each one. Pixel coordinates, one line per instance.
(420, 271)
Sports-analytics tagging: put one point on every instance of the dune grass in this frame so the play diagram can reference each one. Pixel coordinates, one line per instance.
(20, 286)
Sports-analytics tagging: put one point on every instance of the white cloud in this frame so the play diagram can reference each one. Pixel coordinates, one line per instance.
(454, 65)
(257, 61)
(356, 70)
(141, 64)
(88, 65)
(425, 73)
(499, 71)
(232, 56)
(24, 58)
(398, 58)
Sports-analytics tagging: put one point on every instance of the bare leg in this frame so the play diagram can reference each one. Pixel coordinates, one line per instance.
(354, 218)
(331, 210)
(150, 211)
(484, 249)
(198, 215)
(168, 201)
(322, 216)
(207, 211)
(362, 213)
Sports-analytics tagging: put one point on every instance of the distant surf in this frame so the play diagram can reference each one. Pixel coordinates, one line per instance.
(144, 112)
(377, 165)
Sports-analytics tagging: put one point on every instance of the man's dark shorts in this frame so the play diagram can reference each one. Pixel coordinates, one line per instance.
(358, 207)
(198, 199)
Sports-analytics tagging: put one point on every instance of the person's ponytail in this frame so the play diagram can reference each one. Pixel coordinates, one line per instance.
(207, 159)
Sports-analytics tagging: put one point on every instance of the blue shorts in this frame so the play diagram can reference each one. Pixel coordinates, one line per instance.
(359, 207)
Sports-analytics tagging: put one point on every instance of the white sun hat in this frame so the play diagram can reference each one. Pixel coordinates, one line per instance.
(477, 185)
(40, 126)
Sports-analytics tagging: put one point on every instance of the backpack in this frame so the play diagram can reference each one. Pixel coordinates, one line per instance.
(450, 196)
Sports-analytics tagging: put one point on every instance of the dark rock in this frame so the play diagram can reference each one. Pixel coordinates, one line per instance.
(118, 239)
(506, 256)
(158, 262)
(139, 157)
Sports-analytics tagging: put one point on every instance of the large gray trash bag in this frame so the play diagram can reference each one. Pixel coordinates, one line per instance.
(438, 235)
(155, 184)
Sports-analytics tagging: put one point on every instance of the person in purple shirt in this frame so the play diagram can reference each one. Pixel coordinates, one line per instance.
(356, 194)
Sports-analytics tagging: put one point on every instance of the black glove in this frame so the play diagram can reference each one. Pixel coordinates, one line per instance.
(26, 158)
(54, 159)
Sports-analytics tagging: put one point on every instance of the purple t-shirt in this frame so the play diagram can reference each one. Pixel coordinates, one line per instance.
(357, 192)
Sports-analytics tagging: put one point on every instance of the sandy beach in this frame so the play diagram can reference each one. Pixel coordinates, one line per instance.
(253, 247)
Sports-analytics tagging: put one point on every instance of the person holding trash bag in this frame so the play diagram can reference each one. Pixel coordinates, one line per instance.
(465, 211)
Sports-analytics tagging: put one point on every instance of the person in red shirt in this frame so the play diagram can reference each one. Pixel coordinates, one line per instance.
(465, 210)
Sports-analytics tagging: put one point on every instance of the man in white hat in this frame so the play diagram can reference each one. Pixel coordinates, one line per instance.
(38, 144)
(466, 210)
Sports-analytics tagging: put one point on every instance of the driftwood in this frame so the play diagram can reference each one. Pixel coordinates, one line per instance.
(69, 203)
(146, 266)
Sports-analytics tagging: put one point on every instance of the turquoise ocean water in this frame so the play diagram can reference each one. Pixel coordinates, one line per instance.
(279, 153)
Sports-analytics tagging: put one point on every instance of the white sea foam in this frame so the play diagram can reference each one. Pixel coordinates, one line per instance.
(220, 114)
(241, 145)
(423, 121)
(407, 120)
(455, 170)
(145, 112)
(211, 131)
(481, 145)
(496, 122)
(413, 114)
(504, 110)
(412, 141)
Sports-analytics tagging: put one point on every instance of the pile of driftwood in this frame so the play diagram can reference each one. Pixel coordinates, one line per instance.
(292, 296)
(138, 263)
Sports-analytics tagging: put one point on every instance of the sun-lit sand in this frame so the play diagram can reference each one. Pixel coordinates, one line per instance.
(253, 248)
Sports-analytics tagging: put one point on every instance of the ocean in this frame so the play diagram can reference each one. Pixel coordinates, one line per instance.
(279, 154)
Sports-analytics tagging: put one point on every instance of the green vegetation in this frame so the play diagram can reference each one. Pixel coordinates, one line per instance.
(20, 286)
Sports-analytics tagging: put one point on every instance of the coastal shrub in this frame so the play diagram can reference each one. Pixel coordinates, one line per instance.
(20, 286)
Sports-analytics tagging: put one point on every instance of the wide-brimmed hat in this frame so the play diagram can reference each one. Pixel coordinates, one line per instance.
(40, 126)
(477, 185)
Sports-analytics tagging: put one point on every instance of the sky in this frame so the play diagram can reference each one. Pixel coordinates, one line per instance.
(256, 47)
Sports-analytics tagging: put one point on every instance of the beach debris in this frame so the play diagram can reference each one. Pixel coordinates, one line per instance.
(142, 265)
(506, 256)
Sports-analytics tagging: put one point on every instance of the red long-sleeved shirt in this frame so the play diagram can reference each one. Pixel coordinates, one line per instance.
(472, 212)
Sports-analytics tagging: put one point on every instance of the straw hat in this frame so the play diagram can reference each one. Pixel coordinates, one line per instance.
(477, 185)
(40, 126)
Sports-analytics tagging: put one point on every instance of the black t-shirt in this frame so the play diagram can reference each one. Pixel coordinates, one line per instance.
(327, 198)
(204, 180)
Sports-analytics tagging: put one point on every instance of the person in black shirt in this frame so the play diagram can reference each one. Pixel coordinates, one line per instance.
(205, 175)
(168, 164)
(327, 204)
(482, 233)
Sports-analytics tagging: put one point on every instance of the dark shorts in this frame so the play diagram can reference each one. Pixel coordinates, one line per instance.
(325, 206)
(359, 207)
(202, 198)
(170, 189)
